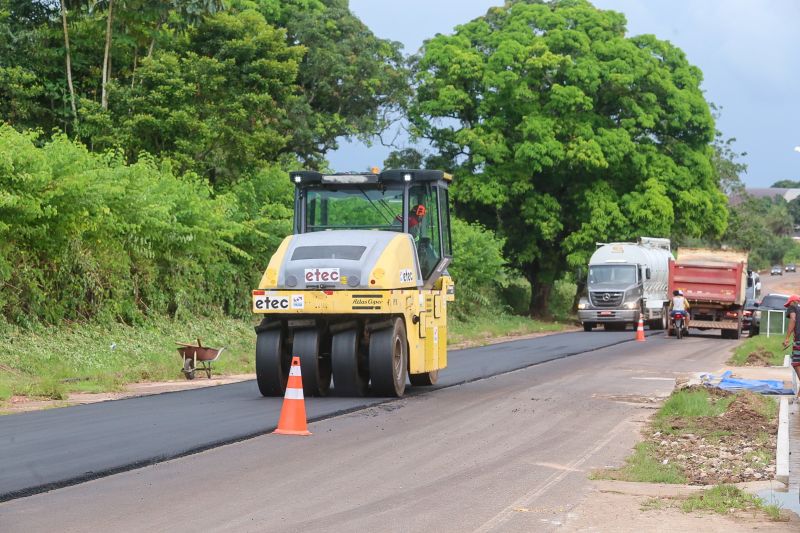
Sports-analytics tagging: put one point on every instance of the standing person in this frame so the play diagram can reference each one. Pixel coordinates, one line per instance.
(793, 333)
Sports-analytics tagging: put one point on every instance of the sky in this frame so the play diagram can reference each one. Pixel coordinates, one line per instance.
(748, 50)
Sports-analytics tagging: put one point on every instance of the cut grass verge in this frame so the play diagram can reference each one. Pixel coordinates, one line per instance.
(52, 362)
(481, 329)
(759, 351)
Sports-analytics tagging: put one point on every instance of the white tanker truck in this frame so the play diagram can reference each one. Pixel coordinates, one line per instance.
(627, 280)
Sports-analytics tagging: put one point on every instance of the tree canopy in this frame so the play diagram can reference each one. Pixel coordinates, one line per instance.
(218, 87)
(565, 132)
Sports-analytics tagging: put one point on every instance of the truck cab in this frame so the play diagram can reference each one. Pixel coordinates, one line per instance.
(626, 281)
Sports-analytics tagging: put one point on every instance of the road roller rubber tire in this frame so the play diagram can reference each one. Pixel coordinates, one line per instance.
(316, 370)
(350, 375)
(272, 363)
(388, 360)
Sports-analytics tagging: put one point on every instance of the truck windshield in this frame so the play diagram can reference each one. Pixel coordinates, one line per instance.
(612, 274)
(354, 208)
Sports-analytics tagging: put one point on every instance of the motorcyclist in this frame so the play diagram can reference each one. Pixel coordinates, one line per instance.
(678, 304)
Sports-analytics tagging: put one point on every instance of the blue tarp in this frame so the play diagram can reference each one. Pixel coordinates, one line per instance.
(762, 386)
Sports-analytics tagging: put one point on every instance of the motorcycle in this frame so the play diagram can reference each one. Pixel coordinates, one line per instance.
(679, 324)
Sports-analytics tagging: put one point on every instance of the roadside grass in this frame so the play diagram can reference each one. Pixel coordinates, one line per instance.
(724, 499)
(643, 467)
(759, 351)
(693, 404)
(482, 328)
(52, 362)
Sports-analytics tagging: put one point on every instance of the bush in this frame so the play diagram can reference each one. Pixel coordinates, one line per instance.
(561, 298)
(477, 268)
(517, 295)
(85, 235)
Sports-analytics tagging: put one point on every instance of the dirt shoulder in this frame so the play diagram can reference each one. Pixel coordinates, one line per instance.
(634, 507)
(22, 404)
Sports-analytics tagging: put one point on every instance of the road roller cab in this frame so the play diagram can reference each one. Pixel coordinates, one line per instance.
(359, 292)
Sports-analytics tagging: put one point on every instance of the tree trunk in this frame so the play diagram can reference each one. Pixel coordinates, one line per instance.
(542, 274)
(540, 299)
(152, 46)
(69, 62)
(107, 58)
(135, 61)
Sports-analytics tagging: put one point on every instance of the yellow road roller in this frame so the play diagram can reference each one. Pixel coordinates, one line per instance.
(360, 290)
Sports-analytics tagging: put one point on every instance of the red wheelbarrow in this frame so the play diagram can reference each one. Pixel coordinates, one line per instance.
(192, 355)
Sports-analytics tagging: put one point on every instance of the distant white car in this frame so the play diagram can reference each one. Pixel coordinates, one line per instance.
(776, 271)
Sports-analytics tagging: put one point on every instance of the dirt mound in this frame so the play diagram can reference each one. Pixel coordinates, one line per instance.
(737, 445)
(759, 357)
(714, 392)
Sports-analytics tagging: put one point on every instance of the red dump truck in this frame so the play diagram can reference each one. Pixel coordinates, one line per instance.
(714, 282)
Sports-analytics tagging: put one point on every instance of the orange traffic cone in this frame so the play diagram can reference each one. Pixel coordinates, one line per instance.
(640, 330)
(293, 412)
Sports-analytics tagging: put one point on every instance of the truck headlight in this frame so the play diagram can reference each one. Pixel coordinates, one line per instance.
(582, 305)
(631, 305)
(757, 314)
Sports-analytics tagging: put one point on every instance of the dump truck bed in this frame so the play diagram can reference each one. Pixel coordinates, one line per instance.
(714, 282)
(710, 276)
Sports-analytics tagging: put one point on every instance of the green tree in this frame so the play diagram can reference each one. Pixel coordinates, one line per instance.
(351, 83)
(762, 226)
(220, 108)
(786, 184)
(564, 132)
(405, 158)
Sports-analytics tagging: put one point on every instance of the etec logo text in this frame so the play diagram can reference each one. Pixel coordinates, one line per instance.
(322, 275)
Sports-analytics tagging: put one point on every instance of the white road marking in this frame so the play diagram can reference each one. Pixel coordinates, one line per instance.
(528, 498)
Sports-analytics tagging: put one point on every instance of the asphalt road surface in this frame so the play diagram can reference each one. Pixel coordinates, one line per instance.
(507, 453)
(48, 449)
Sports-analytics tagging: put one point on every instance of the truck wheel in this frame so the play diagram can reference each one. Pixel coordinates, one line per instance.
(315, 368)
(588, 326)
(272, 363)
(350, 375)
(424, 380)
(388, 360)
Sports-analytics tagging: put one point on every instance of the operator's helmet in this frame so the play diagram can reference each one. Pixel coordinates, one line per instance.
(676, 292)
(415, 217)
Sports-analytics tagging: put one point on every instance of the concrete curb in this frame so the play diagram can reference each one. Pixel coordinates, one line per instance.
(782, 453)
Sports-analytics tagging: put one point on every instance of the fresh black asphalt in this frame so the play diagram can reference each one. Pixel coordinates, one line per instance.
(48, 449)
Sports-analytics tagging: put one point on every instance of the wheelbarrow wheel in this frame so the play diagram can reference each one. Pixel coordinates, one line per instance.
(188, 368)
